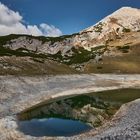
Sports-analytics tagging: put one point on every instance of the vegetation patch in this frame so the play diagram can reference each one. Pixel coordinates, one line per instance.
(123, 49)
(78, 56)
(22, 52)
(125, 30)
(99, 27)
(7, 39)
(81, 55)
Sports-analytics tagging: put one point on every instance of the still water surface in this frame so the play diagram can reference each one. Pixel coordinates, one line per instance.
(52, 127)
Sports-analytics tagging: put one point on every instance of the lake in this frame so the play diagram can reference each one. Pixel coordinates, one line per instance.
(53, 127)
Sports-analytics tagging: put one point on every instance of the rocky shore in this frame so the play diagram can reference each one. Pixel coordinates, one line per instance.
(18, 94)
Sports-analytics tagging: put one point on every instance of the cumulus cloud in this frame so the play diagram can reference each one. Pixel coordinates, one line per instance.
(50, 30)
(11, 22)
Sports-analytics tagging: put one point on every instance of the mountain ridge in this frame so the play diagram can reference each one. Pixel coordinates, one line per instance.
(113, 36)
(111, 26)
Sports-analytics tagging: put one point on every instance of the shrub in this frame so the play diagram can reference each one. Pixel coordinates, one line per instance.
(126, 30)
(124, 49)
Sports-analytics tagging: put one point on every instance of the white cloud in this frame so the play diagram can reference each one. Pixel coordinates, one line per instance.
(34, 30)
(11, 23)
(50, 30)
(7, 16)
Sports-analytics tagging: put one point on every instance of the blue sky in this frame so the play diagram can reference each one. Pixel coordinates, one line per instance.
(69, 16)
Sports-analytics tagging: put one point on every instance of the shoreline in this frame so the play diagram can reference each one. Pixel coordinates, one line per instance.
(20, 93)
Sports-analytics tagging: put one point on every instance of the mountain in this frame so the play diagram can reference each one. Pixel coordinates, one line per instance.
(110, 46)
(113, 26)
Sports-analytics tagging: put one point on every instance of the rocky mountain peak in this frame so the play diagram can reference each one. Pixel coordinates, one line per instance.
(126, 16)
(126, 19)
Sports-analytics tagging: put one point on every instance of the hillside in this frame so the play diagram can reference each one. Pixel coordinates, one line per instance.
(110, 46)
